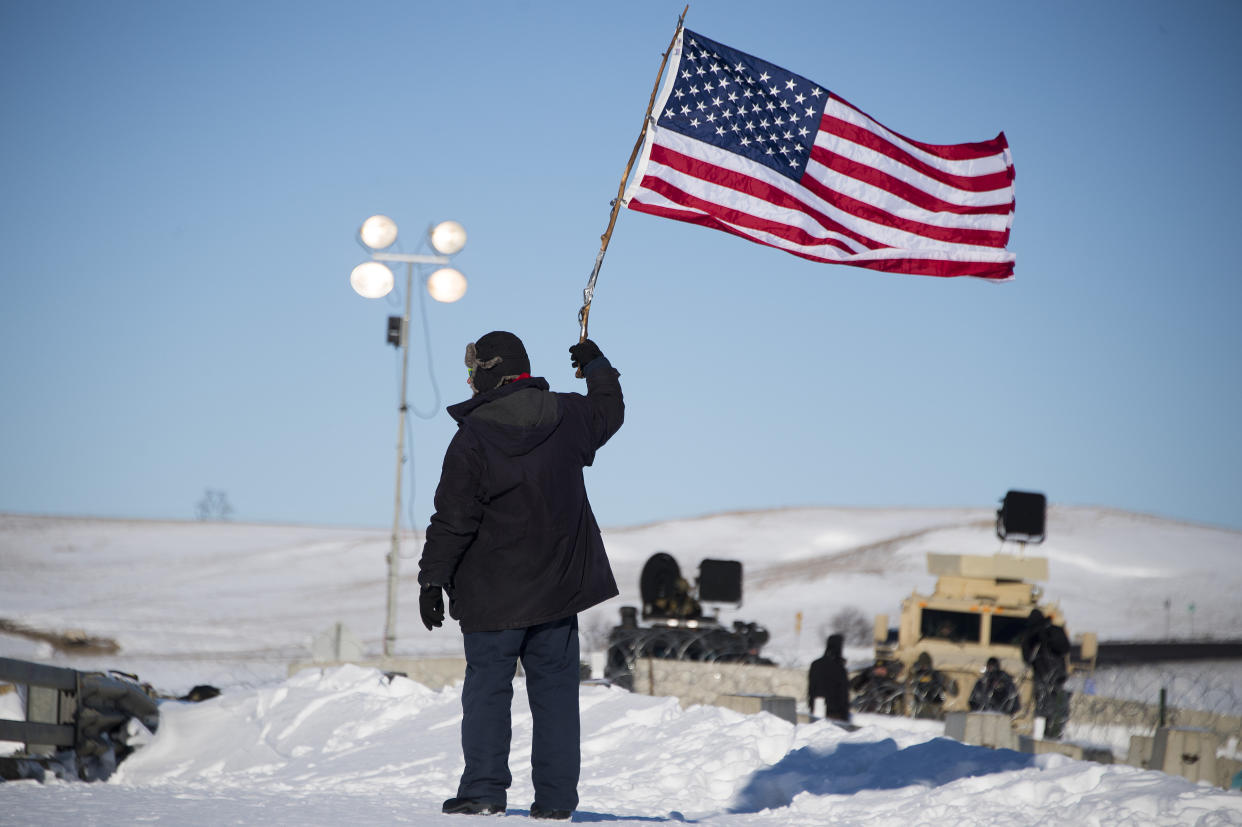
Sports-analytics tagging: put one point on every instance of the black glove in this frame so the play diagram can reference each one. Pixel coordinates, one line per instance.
(431, 606)
(583, 354)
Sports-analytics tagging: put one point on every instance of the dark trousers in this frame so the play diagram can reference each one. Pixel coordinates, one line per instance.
(549, 655)
(1052, 702)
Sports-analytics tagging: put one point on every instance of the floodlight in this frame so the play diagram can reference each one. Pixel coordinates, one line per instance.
(1021, 516)
(371, 280)
(378, 232)
(446, 285)
(448, 237)
(720, 581)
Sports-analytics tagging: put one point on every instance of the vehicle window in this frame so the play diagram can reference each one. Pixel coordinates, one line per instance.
(1007, 630)
(959, 627)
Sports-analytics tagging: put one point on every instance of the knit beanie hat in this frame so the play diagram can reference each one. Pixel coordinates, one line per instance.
(495, 358)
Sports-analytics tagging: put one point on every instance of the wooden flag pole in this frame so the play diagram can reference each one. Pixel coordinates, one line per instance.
(589, 292)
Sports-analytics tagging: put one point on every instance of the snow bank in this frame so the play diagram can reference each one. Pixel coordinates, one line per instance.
(231, 605)
(350, 745)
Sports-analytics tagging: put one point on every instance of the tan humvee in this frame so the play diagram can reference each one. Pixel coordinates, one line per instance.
(978, 610)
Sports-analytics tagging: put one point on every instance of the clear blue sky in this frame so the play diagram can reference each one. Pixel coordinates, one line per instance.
(181, 184)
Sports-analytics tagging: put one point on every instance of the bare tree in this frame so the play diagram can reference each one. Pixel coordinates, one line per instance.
(214, 506)
(853, 624)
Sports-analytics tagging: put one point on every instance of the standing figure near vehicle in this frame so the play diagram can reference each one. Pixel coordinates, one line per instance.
(828, 679)
(515, 545)
(1045, 648)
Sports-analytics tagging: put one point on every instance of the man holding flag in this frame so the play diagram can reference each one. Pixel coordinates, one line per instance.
(514, 543)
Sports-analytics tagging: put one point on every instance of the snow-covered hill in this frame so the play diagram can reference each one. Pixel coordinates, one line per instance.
(212, 602)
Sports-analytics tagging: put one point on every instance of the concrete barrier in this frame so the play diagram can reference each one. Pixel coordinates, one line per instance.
(984, 729)
(781, 707)
(693, 682)
(1190, 753)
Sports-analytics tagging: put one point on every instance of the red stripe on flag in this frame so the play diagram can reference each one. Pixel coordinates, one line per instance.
(972, 151)
(902, 189)
(752, 188)
(911, 266)
(971, 183)
(724, 218)
(868, 212)
(937, 267)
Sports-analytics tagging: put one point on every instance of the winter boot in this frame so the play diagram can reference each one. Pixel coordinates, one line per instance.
(543, 812)
(471, 806)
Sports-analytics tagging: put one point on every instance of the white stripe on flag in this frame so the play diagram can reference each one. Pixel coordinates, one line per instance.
(731, 198)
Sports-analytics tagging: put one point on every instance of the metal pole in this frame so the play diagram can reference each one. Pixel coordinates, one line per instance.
(588, 294)
(394, 554)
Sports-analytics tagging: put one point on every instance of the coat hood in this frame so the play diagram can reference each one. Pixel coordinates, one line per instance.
(516, 418)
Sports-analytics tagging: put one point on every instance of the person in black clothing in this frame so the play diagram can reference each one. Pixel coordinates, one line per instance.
(878, 688)
(828, 679)
(994, 691)
(514, 544)
(1044, 648)
(927, 688)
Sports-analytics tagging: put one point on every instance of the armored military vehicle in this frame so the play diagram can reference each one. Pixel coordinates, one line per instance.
(978, 609)
(679, 628)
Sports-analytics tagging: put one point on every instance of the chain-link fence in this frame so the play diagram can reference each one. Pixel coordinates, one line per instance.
(1209, 686)
(1113, 703)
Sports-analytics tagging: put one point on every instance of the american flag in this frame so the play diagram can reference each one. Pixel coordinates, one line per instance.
(741, 145)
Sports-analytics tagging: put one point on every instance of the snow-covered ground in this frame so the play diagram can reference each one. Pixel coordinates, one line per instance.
(347, 746)
(232, 605)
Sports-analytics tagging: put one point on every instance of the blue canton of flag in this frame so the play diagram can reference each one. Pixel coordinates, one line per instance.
(744, 105)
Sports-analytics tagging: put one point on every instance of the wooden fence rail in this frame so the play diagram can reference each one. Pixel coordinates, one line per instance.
(76, 722)
(51, 706)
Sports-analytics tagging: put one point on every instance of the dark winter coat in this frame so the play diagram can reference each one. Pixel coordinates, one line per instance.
(1044, 647)
(828, 679)
(994, 692)
(930, 685)
(513, 539)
